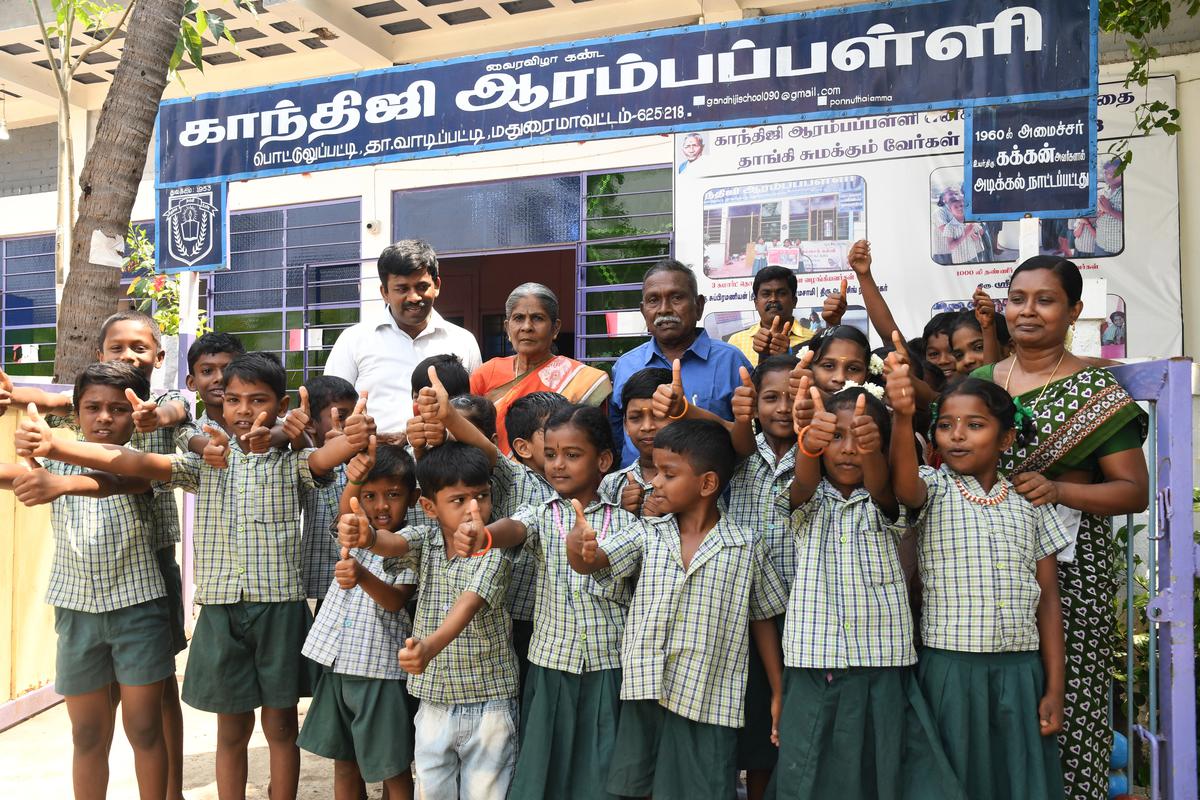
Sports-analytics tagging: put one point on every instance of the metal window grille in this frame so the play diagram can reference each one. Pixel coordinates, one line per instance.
(294, 282)
(29, 313)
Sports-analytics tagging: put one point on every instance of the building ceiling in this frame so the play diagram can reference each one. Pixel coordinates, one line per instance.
(291, 40)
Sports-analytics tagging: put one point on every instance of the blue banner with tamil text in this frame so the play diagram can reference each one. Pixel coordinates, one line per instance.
(859, 60)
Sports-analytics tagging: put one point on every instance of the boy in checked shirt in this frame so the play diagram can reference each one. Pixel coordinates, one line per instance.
(460, 654)
(361, 714)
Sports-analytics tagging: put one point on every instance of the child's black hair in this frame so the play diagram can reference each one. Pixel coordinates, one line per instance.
(784, 362)
(130, 316)
(939, 324)
(998, 402)
(705, 444)
(848, 398)
(118, 374)
(452, 464)
(258, 367)
(393, 461)
(212, 343)
(527, 415)
(589, 420)
(479, 411)
(325, 390)
(450, 372)
(967, 319)
(641, 384)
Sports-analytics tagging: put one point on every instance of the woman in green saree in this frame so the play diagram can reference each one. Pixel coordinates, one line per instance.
(1086, 456)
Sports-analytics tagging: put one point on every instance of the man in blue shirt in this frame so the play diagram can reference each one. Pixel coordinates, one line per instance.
(672, 306)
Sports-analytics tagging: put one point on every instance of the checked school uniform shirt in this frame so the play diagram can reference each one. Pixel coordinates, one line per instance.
(614, 483)
(978, 565)
(759, 481)
(319, 552)
(354, 635)
(687, 634)
(164, 513)
(103, 550)
(577, 626)
(247, 542)
(480, 664)
(849, 602)
(514, 486)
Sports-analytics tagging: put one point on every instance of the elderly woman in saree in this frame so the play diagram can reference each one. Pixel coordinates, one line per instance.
(1085, 457)
(531, 323)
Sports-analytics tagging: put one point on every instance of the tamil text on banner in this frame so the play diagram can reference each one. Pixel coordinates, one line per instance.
(798, 195)
(852, 61)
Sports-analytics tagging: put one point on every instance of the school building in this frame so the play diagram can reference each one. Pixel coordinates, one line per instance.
(583, 217)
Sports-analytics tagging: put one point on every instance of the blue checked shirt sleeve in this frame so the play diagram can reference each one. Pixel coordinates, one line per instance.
(768, 595)
(492, 573)
(410, 560)
(185, 473)
(624, 550)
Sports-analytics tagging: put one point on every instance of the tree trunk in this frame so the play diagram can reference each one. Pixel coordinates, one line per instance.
(108, 182)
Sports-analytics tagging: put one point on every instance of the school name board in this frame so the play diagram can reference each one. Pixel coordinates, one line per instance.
(1030, 158)
(191, 233)
(854, 61)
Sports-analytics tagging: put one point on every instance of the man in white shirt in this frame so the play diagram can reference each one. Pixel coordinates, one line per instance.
(378, 354)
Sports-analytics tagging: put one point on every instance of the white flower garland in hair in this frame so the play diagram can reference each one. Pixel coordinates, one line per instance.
(876, 365)
(802, 352)
(872, 389)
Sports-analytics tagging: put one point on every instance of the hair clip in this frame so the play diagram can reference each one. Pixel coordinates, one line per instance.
(1023, 414)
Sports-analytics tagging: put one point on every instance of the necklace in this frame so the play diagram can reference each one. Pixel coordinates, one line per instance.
(1054, 372)
(600, 535)
(982, 501)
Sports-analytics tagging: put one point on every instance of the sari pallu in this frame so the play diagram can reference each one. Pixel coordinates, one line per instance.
(1078, 420)
(577, 382)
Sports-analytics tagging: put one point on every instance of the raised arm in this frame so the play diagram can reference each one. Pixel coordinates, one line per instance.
(417, 653)
(745, 410)
(869, 442)
(877, 308)
(354, 530)
(814, 432)
(907, 485)
(670, 401)
(48, 402)
(36, 486)
(985, 315)
(356, 475)
(33, 438)
(340, 449)
(433, 404)
(472, 538)
(348, 573)
(149, 416)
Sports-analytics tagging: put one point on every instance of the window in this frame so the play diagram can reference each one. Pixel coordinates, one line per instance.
(505, 215)
(627, 220)
(294, 282)
(29, 314)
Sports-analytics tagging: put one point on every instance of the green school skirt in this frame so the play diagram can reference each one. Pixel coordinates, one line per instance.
(985, 706)
(568, 730)
(664, 755)
(859, 734)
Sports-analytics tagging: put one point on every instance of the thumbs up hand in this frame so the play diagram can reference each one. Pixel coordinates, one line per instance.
(632, 495)
(668, 399)
(470, 535)
(361, 465)
(414, 658)
(433, 401)
(32, 437)
(859, 257)
(354, 529)
(745, 399)
(297, 421)
(145, 413)
(864, 429)
(359, 426)
(36, 486)
(803, 406)
(901, 395)
(217, 450)
(800, 371)
(819, 433)
(258, 440)
(834, 307)
(581, 539)
(985, 308)
(346, 570)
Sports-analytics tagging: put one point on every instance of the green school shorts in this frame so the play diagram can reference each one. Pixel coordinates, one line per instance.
(129, 646)
(247, 655)
(173, 580)
(365, 720)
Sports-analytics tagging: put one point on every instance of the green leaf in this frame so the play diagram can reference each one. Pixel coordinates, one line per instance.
(194, 44)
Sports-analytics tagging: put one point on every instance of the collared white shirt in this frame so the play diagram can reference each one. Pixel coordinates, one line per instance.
(379, 358)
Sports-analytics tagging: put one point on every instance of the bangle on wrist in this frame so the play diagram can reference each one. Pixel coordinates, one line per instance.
(802, 448)
(374, 538)
(354, 482)
(683, 413)
(487, 548)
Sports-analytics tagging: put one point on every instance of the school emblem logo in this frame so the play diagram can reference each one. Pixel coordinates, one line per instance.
(191, 223)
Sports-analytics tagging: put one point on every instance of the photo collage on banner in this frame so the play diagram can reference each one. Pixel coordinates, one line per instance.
(800, 194)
